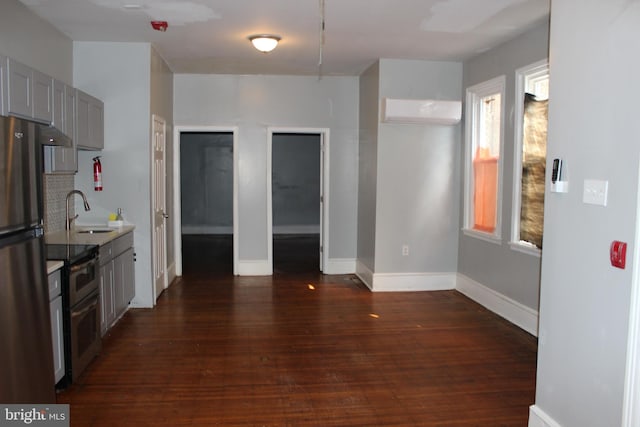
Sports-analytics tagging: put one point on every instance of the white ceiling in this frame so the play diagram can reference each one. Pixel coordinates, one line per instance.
(210, 36)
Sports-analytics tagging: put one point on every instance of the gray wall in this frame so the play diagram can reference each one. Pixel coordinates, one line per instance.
(253, 103)
(119, 74)
(409, 177)
(418, 182)
(25, 37)
(594, 128)
(367, 166)
(206, 182)
(511, 273)
(296, 183)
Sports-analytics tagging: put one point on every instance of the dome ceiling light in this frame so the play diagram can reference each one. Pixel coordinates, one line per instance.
(265, 43)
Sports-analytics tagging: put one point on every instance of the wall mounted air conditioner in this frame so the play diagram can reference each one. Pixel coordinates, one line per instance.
(421, 111)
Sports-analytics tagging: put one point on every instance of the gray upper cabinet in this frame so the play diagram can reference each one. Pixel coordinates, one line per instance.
(29, 92)
(89, 133)
(3, 85)
(19, 79)
(62, 160)
(70, 112)
(42, 87)
(59, 105)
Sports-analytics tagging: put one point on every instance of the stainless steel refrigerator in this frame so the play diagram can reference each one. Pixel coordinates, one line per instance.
(26, 358)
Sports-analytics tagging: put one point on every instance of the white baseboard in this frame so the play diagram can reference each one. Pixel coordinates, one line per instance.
(539, 418)
(171, 273)
(296, 229)
(404, 282)
(516, 313)
(340, 266)
(411, 282)
(262, 267)
(223, 229)
(365, 274)
(254, 268)
(207, 229)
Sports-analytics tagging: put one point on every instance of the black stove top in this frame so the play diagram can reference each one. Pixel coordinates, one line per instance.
(71, 253)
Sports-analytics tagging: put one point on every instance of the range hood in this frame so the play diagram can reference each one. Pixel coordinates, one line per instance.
(50, 135)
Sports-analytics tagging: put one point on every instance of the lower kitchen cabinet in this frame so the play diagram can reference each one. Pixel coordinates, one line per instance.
(107, 312)
(124, 280)
(117, 279)
(57, 334)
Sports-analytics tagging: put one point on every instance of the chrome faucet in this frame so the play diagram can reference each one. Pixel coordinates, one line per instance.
(86, 207)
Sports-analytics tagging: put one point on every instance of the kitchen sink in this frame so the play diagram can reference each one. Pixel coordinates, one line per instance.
(94, 231)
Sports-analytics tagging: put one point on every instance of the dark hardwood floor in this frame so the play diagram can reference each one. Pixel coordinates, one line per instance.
(303, 349)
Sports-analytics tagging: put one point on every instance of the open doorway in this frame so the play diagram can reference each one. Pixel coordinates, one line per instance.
(296, 200)
(206, 201)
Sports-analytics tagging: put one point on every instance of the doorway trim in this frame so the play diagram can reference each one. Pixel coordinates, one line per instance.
(324, 189)
(631, 401)
(177, 198)
(159, 216)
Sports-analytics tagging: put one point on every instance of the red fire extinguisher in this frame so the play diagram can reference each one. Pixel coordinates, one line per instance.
(97, 174)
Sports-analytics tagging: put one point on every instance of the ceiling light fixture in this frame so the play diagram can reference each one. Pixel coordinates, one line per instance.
(265, 42)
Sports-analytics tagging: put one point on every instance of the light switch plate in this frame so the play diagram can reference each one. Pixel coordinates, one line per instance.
(595, 192)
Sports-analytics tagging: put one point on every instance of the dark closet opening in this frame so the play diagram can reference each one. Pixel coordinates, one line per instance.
(296, 202)
(206, 187)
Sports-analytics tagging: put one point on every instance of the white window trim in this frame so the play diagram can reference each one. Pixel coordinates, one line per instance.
(473, 94)
(539, 67)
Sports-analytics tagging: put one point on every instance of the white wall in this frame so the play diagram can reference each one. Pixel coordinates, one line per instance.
(25, 37)
(253, 103)
(594, 127)
(513, 274)
(119, 75)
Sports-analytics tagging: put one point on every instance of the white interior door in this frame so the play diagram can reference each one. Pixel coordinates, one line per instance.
(321, 195)
(158, 205)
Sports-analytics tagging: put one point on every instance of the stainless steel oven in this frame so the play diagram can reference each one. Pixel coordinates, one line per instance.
(83, 280)
(80, 305)
(84, 333)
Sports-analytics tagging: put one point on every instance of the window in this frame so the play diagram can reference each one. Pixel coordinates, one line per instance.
(530, 157)
(483, 159)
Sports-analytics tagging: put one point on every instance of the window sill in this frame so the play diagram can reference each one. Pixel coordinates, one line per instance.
(525, 249)
(491, 238)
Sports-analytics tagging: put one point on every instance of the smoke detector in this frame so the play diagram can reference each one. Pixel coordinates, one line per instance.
(160, 25)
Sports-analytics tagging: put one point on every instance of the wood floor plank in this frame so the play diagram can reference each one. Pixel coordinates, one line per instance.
(220, 350)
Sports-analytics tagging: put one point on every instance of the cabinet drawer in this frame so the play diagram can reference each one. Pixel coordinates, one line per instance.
(55, 284)
(122, 243)
(105, 253)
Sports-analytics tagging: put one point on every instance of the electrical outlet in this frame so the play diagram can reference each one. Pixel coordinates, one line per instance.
(405, 250)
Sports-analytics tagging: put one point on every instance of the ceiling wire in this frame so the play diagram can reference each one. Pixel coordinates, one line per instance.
(320, 50)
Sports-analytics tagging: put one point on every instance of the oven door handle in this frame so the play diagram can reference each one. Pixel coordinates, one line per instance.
(78, 313)
(77, 267)
(81, 312)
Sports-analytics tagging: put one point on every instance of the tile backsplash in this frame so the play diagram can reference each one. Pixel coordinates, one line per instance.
(55, 189)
